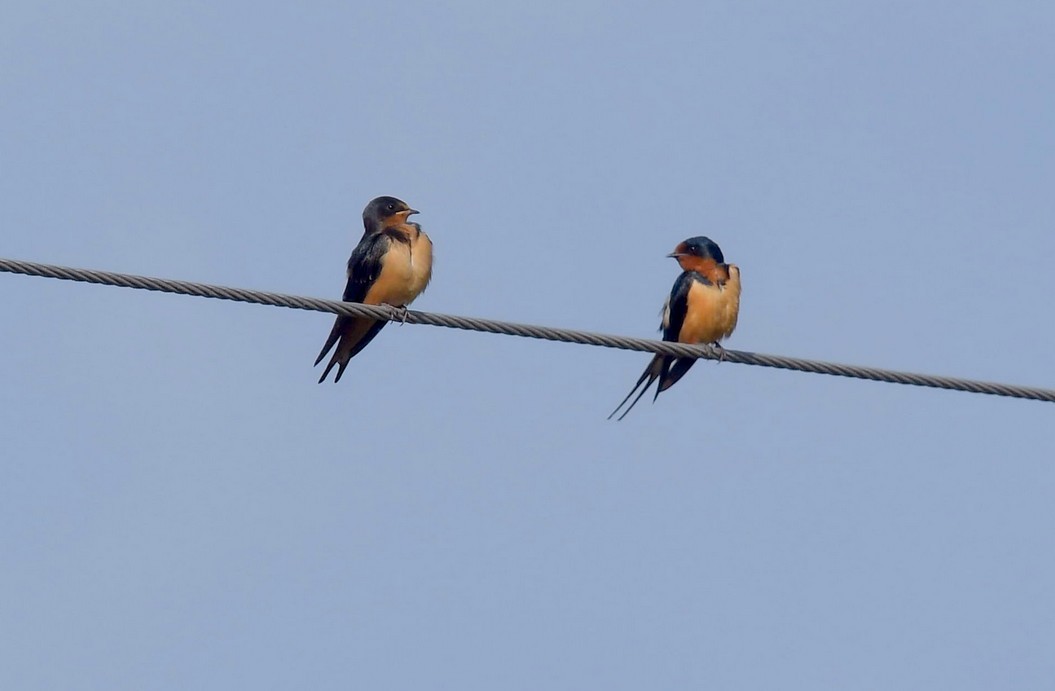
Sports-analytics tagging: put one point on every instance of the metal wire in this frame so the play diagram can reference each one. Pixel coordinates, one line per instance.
(525, 330)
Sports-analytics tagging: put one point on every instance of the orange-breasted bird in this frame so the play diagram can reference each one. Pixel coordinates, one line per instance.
(702, 308)
(391, 265)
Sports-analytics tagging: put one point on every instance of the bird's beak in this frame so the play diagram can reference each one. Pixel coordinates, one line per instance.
(411, 212)
(675, 255)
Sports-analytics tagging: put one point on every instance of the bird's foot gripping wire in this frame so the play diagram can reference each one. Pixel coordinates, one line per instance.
(721, 351)
(403, 312)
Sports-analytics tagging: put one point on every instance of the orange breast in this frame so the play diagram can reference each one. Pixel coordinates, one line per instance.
(421, 263)
(712, 310)
(406, 270)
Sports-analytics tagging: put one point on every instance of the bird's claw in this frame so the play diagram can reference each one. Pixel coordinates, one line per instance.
(721, 351)
(403, 312)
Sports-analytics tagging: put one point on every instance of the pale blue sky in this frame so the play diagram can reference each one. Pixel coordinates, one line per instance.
(182, 506)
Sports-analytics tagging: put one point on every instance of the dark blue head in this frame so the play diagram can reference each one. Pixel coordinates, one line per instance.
(385, 211)
(701, 247)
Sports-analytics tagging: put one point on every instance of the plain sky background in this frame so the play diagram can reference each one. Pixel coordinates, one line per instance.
(182, 506)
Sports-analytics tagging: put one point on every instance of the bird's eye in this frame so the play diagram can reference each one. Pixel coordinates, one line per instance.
(391, 207)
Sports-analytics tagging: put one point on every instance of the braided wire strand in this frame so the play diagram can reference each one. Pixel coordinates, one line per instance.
(646, 345)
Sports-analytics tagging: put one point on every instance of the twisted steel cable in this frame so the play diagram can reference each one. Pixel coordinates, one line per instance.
(525, 330)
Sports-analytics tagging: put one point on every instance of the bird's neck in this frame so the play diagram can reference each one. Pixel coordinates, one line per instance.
(708, 268)
(408, 231)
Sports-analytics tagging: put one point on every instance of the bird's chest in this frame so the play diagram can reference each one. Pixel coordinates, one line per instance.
(419, 262)
(407, 270)
(711, 314)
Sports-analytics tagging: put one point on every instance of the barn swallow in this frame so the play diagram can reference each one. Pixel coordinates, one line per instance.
(391, 265)
(702, 308)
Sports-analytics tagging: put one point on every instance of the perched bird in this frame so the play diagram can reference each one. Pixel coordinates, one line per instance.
(702, 308)
(391, 265)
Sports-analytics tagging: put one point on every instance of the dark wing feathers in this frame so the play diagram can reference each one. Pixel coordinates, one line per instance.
(666, 369)
(676, 372)
(679, 306)
(364, 266)
(656, 369)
